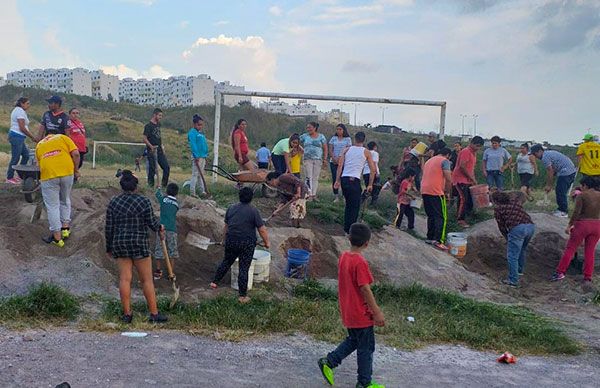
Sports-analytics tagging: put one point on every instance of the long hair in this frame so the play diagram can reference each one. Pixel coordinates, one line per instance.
(238, 123)
(294, 136)
(340, 125)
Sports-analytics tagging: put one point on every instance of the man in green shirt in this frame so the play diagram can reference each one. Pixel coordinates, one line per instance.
(168, 218)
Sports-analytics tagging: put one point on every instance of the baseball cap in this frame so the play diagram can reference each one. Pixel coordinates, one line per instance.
(588, 136)
(536, 148)
(432, 134)
(54, 99)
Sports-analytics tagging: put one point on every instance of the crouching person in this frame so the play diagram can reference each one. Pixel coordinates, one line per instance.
(241, 222)
(518, 229)
(291, 189)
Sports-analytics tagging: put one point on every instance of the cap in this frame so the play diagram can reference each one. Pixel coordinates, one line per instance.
(432, 134)
(588, 137)
(536, 148)
(54, 99)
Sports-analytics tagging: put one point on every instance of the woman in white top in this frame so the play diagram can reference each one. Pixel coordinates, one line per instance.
(350, 168)
(526, 168)
(372, 147)
(18, 132)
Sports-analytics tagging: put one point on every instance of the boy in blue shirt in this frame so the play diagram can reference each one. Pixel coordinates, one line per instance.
(263, 156)
(199, 148)
(168, 218)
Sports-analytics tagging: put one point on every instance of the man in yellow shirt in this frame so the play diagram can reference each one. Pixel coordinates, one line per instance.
(588, 154)
(58, 159)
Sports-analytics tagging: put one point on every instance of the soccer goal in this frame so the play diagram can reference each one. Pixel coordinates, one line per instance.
(220, 94)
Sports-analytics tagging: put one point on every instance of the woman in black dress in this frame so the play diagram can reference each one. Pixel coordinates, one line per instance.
(127, 218)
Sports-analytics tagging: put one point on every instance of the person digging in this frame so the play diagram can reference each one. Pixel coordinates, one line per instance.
(292, 192)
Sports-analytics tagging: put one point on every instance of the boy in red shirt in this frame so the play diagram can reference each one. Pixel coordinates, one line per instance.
(463, 177)
(358, 309)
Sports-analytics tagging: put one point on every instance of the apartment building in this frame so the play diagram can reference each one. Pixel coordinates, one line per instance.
(301, 108)
(75, 81)
(104, 86)
(231, 100)
(2, 82)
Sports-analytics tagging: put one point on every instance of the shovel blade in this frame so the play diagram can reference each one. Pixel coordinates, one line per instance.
(197, 240)
(175, 297)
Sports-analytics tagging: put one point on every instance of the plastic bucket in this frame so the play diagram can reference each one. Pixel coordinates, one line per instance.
(262, 262)
(416, 203)
(457, 242)
(419, 149)
(235, 270)
(297, 263)
(481, 196)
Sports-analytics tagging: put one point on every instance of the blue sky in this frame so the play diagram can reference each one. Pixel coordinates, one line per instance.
(528, 69)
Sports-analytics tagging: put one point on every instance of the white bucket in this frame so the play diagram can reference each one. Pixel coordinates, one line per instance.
(457, 242)
(262, 262)
(416, 203)
(235, 270)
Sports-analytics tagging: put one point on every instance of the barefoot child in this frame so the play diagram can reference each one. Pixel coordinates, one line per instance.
(168, 217)
(358, 309)
(407, 193)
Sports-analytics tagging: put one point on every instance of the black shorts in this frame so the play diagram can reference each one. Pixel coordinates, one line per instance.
(526, 179)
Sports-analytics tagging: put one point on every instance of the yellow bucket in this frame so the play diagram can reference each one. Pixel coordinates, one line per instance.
(419, 149)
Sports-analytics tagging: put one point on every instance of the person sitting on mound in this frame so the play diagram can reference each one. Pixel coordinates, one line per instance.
(517, 228)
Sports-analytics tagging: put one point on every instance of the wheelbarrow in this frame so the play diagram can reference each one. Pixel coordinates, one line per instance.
(30, 174)
(256, 178)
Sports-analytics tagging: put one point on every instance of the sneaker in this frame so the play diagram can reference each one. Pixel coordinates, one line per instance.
(440, 246)
(560, 214)
(158, 274)
(430, 242)
(50, 240)
(326, 370)
(157, 318)
(509, 283)
(372, 384)
(126, 318)
(12, 181)
(66, 233)
(557, 276)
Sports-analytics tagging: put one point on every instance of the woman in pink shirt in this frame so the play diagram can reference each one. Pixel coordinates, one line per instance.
(76, 131)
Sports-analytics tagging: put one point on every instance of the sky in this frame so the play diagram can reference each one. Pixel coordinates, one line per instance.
(529, 70)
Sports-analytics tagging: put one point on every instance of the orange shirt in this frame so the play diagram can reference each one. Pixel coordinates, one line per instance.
(433, 181)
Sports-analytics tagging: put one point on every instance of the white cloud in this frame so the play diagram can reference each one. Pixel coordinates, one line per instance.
(248, 61)
(155, 71)
(275, 10)
(184, 24)
(14, 51)
(66, 58)
(221, 23)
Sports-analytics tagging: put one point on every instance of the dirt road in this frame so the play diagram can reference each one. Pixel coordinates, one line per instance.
(45, 359)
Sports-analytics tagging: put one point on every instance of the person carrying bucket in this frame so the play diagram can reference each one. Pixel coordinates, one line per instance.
(517, 228)
(435, 189)
(463, 177)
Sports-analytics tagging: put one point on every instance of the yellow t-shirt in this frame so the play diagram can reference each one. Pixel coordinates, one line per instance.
(590, 158)
(295, 163)
(53, 154)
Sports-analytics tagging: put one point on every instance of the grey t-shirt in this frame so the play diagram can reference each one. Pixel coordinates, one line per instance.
(242, 221)
(495, 158)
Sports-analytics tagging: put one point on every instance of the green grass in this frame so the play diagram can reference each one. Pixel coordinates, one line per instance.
(43, 302)
(596, 298)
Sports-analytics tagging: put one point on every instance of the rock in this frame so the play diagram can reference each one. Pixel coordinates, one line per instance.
(27, 338)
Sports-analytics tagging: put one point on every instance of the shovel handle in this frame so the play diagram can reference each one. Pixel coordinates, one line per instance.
(165, 251)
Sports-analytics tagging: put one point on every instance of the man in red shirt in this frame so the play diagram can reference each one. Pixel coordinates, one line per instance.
(358, 309)
(435, 188)
(463, 177)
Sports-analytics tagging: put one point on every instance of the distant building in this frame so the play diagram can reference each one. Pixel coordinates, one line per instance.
(231, 100)
(335, 116)
(302, 108)
(2, 82)
(388, 129)
(75, 81)
(105, 86)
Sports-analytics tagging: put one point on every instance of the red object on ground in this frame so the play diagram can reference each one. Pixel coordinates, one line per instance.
(507, 358)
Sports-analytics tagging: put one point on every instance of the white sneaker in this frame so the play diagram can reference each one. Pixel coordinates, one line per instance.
(560, 214)
(564, 215)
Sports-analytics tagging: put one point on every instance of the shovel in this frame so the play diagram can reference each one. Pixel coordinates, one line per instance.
(199, 241)
(172, 277)
(202, 177)
(278, 210)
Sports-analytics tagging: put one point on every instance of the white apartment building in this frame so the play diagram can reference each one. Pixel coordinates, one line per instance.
(105, 86)
(2, 82)
(170, 92)
(75, 81)
(230, 100)
(302, 108)
(335, 116)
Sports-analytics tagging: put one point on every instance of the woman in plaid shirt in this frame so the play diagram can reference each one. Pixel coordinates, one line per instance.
(127, 218)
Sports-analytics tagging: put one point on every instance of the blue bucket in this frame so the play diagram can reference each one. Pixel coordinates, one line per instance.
(297, 265)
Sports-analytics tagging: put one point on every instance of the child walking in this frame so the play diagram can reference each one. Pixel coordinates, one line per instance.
(406, 194)
(358, 309)
(168, 217)
(517, 228)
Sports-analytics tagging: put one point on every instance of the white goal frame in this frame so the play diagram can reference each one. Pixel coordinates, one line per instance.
(110, 142)
(219, 101)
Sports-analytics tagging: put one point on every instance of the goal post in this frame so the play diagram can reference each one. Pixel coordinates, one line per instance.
(219, 101)
(96, 143)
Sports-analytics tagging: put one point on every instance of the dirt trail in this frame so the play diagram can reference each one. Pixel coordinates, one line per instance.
(45, 359)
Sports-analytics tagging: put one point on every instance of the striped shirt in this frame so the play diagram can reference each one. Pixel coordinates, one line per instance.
(560, 163)
(339, 145)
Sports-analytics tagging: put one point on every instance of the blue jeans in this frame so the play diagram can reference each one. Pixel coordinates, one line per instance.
(518, 240)
(495, 178)
(363, 341)
(279, 163)
(563, 184)
(18, 150)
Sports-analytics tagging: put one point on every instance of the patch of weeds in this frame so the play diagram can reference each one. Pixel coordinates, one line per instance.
(313, 290)
(43, 301)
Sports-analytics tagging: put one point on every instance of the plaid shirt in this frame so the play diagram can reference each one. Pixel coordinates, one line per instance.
(127, 217)
(510, 215)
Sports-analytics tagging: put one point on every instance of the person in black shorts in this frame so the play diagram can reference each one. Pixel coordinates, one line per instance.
(55, 119)
(127, 218)
(155, 149)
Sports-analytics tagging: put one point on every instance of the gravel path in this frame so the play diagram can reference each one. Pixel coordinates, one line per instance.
(45, 359)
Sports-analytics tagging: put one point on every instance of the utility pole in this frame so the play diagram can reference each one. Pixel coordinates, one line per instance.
(355, 105)
(462, 116)
(383, 108)
(475, 124)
